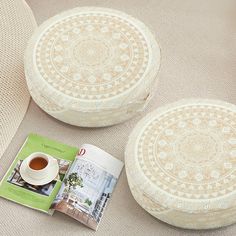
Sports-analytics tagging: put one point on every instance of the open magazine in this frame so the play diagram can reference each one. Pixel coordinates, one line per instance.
(81, 189)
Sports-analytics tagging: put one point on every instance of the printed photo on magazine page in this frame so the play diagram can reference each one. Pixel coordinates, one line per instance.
(88, 185)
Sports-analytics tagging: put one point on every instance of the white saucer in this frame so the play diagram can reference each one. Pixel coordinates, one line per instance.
(53, 172)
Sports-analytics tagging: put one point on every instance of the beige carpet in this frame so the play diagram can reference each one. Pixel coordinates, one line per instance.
(198, 60)
(16, 26)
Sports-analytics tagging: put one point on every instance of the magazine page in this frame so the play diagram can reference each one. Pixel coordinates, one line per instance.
(37, 196)
(88, 185)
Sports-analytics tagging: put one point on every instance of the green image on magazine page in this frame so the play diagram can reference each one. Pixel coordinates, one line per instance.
(14, 188)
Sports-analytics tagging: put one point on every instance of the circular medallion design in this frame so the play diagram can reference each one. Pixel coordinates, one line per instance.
(189, 150)
(93, 54)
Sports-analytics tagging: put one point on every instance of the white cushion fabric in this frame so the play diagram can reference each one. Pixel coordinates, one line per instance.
(92, 66)
(180, 163)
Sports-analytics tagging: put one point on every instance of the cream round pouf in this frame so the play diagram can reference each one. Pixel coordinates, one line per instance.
(92, 66)
(181, 163)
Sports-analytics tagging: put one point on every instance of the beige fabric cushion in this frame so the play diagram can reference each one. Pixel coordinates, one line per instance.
(92, 67)
(180, 163)
(16, 26)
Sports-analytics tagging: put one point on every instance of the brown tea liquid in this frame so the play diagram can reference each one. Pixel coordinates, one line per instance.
(38, 163)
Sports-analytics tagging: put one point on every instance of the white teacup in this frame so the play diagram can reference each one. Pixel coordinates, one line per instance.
(42, 172)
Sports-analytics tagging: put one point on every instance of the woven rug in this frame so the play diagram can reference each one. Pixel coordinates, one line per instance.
(16, 26)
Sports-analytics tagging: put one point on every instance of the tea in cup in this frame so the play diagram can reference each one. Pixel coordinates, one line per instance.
(39, 168)
(38, 163)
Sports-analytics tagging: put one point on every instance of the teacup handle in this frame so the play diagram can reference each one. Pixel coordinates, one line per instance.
(54, 161)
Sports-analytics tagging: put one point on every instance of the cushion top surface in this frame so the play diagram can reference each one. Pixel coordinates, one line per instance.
(183, 155)
(91, 53)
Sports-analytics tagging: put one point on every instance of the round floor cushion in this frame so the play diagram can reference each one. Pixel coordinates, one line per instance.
(181, 163)
(92, 66)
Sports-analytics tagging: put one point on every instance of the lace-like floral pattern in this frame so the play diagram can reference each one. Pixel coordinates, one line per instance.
(92, 55)
(189, 151)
